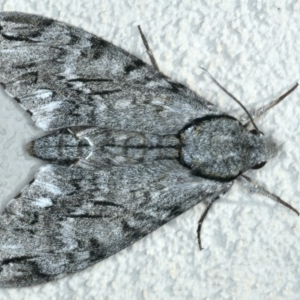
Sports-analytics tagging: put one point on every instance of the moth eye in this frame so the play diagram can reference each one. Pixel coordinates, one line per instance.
(259, 165)
(253, 131)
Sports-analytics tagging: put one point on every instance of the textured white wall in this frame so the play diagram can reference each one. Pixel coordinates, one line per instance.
(252, 246)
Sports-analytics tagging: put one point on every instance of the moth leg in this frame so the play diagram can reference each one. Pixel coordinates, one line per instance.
(148, 49)
(262, 110)
(200, 222)
(254, 187)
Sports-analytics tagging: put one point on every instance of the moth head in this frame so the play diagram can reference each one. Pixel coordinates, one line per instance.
(221, 148)
(267, 147)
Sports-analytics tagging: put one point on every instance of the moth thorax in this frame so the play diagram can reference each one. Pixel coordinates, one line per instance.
(219, 147)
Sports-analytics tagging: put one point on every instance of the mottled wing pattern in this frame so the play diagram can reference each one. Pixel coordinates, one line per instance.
(55, 70)
(69, 218)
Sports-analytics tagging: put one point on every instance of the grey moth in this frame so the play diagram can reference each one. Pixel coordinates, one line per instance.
(128, 149)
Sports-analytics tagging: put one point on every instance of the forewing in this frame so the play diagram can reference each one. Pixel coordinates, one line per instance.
(70, 218)
(67, 77)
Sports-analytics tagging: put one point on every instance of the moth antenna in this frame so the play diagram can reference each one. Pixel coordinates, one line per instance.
(148, 49)
(259, 189)
(234, 98)
(262, 110)
(200, 222)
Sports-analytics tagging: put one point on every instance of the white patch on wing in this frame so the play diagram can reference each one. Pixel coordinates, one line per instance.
(67, 229)
(101, 107)
(49, 187)
(10, 246)
(44, 115)
(43, 202)
(49, 107)
(43, 94)
(123, 104)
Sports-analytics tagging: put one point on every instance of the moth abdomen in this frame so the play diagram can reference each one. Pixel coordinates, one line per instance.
(101, 147)
(61, 147)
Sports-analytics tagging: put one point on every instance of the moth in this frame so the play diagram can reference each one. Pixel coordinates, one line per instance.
(128, 149)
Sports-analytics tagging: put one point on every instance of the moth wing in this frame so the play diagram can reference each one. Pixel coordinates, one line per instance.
(55, 70)
(70, 218)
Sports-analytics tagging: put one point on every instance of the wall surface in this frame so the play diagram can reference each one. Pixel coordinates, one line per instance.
(252, 244)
